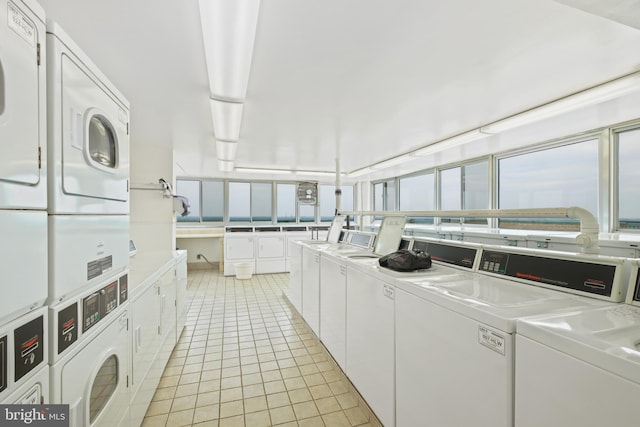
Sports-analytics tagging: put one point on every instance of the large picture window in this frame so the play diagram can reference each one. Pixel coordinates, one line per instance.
(628, 179)
(561, 176)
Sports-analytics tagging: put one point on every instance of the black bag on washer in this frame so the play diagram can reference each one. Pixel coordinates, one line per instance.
(406, 260)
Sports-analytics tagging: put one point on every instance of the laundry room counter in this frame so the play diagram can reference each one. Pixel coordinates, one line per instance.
(149, 266)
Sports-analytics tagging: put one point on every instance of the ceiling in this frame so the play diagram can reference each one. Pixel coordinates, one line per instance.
(359, 80)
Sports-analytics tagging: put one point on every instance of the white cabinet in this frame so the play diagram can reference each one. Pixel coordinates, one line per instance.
(311, 288)
(238, 247)
(145, 320)
(270, 253)
(167, 291)
(333, 294)
(294, 293)
(370, 341)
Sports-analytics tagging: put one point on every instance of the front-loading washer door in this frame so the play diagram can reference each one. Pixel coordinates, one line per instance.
(95, 141)
(94, 381)
(22, 108)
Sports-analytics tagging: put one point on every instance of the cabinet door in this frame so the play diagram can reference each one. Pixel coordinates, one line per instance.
(145, 319)
(271, 247)
(370, 341)
(239, 248)
(168, 305)
(181, 295)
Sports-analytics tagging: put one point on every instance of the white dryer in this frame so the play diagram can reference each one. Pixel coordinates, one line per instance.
(455, 341)
(90, 355)
(85, 250)
(580, 369)
(88, 133)
(23, 173)
(23, 359)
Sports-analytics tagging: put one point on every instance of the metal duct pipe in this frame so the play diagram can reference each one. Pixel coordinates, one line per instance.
(338, 191)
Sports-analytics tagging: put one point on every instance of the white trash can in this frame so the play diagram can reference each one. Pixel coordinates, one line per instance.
(244, 270)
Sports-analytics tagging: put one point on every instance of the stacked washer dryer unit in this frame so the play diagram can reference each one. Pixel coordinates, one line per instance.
(581, 369)
(455, 341)
(24, 372)
(88, 197)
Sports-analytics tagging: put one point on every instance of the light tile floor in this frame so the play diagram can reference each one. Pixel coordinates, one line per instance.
(246, 358)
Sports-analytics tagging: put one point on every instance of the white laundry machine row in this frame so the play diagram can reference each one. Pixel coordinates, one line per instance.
(580, 369)
(455, 341)
(88, 133)
(24, 371)
(23, 171)
(370, 317)
(89, 354)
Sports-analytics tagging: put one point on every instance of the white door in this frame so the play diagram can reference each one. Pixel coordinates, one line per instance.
(22, 108)
(95, 141)
(95, 383)
(311, 289)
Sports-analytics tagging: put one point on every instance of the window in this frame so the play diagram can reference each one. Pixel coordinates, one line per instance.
(261, 201)
(307, 212)
(286, 202)
(213, 201)
(384, 196)
(451, 192)
(417, 194)
(475, 189)
(191, 190)
(628, 178)
(328, 201)
(239, 202)
(562, 176)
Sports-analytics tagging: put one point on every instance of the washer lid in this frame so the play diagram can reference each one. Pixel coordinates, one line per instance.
(607, 337)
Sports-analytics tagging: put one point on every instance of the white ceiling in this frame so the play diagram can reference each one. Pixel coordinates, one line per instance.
(362, 80)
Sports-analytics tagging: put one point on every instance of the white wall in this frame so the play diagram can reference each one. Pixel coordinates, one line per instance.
(152, 216)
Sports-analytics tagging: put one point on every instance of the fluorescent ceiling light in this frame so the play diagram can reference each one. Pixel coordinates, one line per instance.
(316, 173)
(604, 92)
(227, 117)
(260, 170)
(454, 141)
(229, 30)
(390, 162)
(360, 172)
(225, 165)
(226, 150)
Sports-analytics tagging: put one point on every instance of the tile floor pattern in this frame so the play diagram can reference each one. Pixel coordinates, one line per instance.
(246, 358)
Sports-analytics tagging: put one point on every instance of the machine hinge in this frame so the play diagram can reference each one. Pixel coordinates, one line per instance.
(127, 324)
(127, 381)
(127, 128)
(158, 330)
(128, 186)
(39, 157)
(38, 53)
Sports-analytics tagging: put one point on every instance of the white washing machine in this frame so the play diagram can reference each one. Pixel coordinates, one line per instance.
(24, 373)
(90, 355)
(455, 341)
(23, 172)
(370, 318)
(580, 369)
(88, 132)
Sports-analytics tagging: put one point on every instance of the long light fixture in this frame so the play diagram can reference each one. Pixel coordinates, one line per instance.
(604, 92)
(264, 170)
(226, 150)
(229, 30)
(227, 117)
(225, 165)
(359, 172)
(454, 141)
